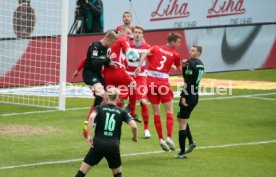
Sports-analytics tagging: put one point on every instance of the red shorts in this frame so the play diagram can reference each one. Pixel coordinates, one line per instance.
(159, 90)
(118, 78)
(141, 88)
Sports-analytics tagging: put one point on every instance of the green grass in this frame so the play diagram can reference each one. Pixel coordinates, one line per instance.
(255, 75)
(213, 122)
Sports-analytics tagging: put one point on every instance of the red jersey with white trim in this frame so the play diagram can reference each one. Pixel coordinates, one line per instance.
(133, 65)
(120, 47)
(162, 58)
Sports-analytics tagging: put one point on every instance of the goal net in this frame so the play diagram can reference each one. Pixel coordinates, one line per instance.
(33, 44)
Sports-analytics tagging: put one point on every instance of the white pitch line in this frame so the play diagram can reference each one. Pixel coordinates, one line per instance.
(202, 99)
(262, 98)
(136, 154)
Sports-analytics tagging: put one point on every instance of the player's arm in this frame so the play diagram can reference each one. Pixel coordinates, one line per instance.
(177, 63)
(144, 54)
(134, 130)
(91, 119)
(131, 122)
(81, 64)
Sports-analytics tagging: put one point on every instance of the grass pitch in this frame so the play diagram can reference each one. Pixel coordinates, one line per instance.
(235, 136)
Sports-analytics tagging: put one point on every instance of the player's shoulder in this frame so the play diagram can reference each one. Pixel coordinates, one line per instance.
(145, 45)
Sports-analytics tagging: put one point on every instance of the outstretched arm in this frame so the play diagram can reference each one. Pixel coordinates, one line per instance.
(144, 55)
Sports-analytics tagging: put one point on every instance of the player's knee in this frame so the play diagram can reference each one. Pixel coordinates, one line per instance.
(143, 102)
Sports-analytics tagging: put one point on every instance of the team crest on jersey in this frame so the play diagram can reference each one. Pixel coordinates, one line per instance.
(95, 53)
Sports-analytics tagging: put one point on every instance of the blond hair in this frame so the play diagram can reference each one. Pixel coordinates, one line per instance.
(112, 93)
(111, 34)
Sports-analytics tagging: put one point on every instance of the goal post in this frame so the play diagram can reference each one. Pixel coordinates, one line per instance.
(63, 55)
(33, 52)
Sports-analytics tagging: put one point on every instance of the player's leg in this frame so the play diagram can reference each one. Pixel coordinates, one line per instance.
(141, 95)
(182, 138)
(145, 115)
(113, 158)
(192, 143)
(169, 123)
(98, 88)
(83, 170)
(158, 126)
(166, 97)
(117, 172)
(92, 158)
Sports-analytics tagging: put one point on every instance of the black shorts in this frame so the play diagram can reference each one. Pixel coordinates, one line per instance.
(110, 152)
(184, 112)
(91, 78)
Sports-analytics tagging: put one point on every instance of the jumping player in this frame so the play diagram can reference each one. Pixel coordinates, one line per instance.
(160, 61)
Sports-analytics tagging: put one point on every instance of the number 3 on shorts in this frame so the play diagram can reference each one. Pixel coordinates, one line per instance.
(162, 62)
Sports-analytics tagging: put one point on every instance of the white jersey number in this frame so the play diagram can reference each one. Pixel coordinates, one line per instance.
(162, 62)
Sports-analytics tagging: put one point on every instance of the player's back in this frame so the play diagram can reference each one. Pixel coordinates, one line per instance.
(109, 122)
(162, 59)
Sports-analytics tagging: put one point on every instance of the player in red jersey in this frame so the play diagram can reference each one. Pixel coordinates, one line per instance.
(127, 20)
(119, 77)
(161, 59)
(141, 79)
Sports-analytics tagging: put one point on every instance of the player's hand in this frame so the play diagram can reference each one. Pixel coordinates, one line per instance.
(89, 140)
(184, 62)
(183, 102)
(75, 74)
(137, 70)
(112, 56)
(174, 67)
(114, 66)
(134, 139)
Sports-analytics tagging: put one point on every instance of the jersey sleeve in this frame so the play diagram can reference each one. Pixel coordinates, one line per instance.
(126, 117)
(125, 45)
(81, 64)
(95, 59)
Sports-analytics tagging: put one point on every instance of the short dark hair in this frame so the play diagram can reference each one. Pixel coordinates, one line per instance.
(174, 37)
(127, 12)
(198, 47)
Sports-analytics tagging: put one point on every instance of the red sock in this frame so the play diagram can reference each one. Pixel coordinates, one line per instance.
(170, 124)
(119, 104)
(91, 109)
(158, 126)
(132, 101)
(145, 115)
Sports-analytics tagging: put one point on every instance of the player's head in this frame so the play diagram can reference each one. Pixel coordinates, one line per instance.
(126, 31)
(195, 51)
(110, 37)
(113, 93)
(174, 39)
(138, 33)
(127, 18)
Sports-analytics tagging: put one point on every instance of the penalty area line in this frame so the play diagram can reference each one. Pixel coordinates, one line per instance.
(136, 154)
